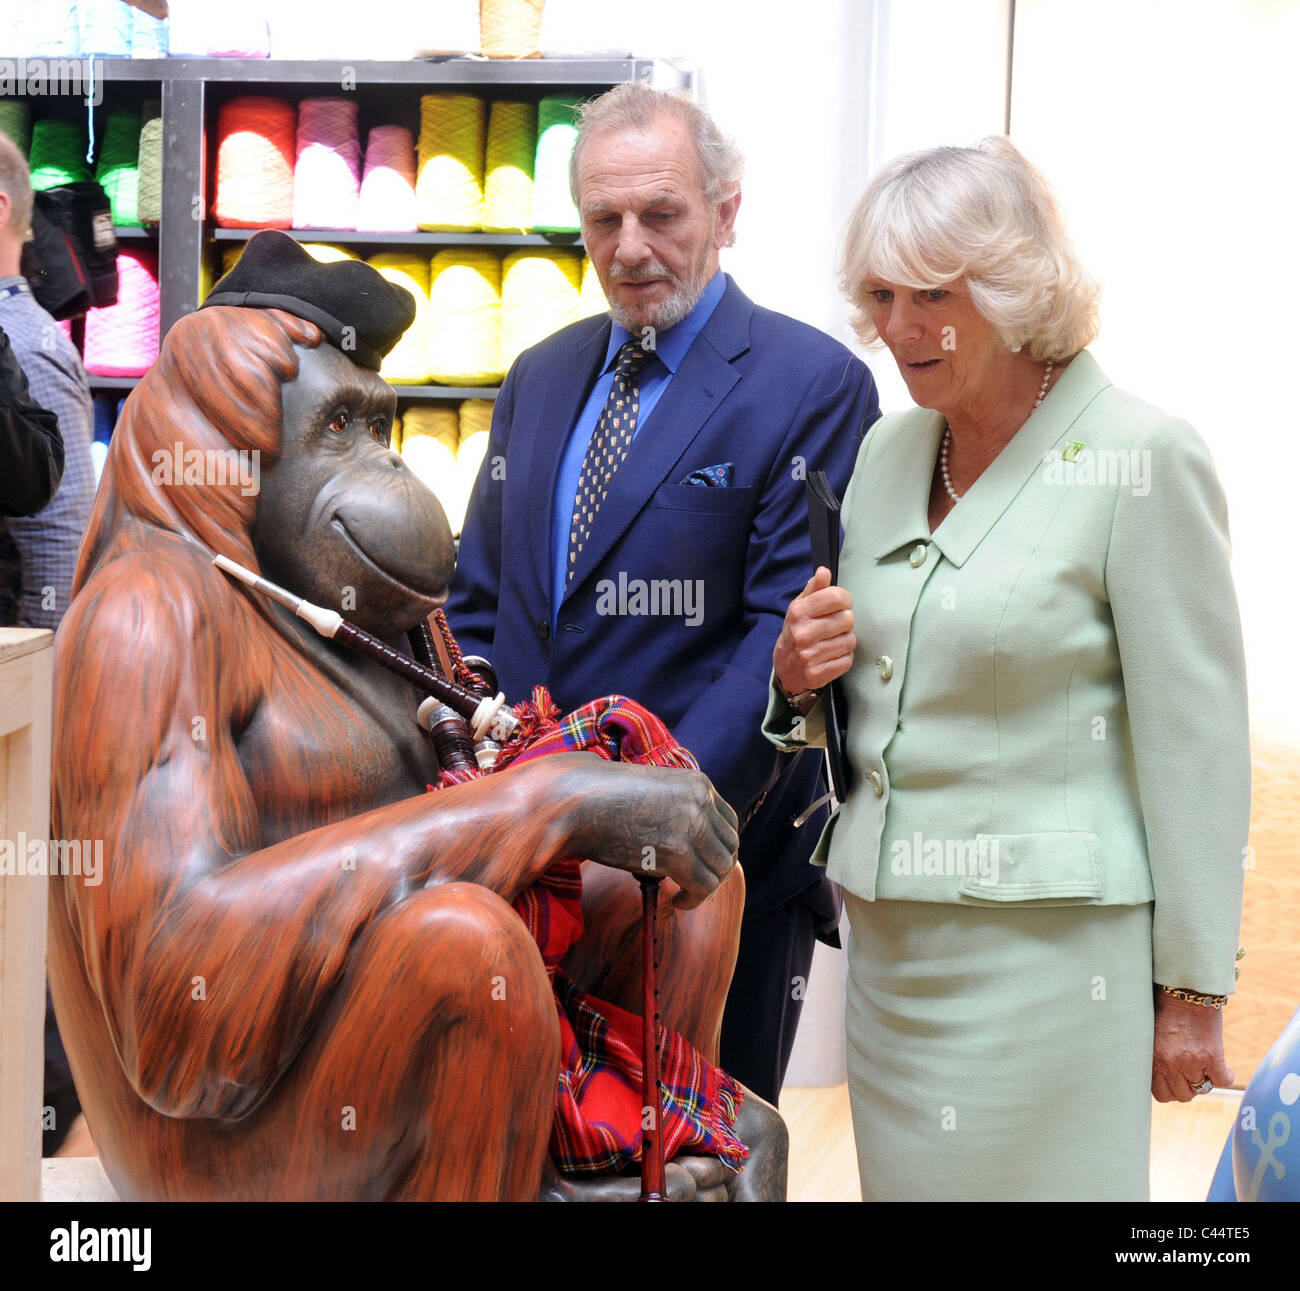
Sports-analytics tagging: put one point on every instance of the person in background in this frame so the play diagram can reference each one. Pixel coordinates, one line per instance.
(639, 523)
(38, 553)
(31, 447)
(1042, 848)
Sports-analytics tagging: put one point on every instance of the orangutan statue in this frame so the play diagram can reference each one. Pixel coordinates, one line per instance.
(301, 975)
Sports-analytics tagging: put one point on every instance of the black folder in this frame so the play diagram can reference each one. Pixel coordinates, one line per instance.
(824, 527)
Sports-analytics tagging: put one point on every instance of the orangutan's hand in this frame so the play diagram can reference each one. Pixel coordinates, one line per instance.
(652, 820)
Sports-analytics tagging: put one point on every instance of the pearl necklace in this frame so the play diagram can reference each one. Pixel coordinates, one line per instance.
(947, 434)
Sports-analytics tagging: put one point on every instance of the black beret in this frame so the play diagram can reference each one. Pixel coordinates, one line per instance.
(357, 308)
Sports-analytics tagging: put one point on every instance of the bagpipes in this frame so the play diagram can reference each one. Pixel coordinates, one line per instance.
(470, 726)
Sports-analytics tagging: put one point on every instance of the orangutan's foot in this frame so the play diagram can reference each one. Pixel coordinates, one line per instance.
(696, 1178)
(760, 1128)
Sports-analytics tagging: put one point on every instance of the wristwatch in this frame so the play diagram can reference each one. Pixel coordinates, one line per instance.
(802, 703)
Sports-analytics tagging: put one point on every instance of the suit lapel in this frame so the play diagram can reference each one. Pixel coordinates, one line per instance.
(910, 462)
(900, 481)
(552, 417)
(702, 381)
(964, 527)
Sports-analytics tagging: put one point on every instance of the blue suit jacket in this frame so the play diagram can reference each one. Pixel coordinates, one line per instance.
(773, 397)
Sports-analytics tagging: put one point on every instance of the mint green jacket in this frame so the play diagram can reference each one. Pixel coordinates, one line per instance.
(1047, 703)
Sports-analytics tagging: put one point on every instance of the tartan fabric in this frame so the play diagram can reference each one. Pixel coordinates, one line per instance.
(597, 1121)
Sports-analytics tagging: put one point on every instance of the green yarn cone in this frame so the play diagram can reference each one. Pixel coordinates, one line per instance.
(16, 122)
(119, 166)
(553, 208)
(58, 154)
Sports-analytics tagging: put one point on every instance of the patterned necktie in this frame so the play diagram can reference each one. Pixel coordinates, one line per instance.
(608, 447)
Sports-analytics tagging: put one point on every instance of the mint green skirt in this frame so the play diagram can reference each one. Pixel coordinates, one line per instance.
(1000, 1054)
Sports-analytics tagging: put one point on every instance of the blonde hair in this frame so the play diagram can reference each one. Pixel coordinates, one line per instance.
(983, 215)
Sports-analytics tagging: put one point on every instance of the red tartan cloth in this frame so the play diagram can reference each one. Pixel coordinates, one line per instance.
(597, 1123)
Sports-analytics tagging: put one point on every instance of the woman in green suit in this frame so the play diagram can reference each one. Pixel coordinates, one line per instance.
(1037, 635)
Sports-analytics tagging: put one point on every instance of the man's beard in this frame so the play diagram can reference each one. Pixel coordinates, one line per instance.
(671, 310)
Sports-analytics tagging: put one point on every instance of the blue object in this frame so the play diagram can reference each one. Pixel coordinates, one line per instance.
(1264, 1144)
(105, 417)
(104, 28)
(148, 36)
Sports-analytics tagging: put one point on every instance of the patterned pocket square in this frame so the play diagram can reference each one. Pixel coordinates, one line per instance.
(712, 477)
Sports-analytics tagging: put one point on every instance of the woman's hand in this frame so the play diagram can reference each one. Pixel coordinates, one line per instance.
(816, 643)
(1188, 1049)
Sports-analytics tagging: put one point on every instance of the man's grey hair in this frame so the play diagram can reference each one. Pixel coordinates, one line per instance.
(633, 106)
(16, 182)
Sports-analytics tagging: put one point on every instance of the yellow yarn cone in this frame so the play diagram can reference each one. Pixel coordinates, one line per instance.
(326, 253)
(475, 418)
(539, 295)
(511, 146)
(475, 425)
(591, 299)
(407, 363)
(465, 318)
(510, 28)
(449, 167)
(430, 436)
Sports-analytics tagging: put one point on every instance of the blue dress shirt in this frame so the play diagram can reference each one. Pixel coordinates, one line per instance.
(670, 349)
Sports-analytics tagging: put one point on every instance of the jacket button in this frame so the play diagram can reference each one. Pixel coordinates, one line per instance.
(886, 666)
(919, 553)
(543, 629)
(878, 784)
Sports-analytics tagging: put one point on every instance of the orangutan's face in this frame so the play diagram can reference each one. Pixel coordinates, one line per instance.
(340, 518)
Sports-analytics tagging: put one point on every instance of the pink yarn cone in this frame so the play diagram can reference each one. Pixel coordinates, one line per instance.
(387, 202)
(327, 176)
(122, 339)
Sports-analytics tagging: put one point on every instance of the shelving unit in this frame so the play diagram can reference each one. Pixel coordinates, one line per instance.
(191, 92)
(360, 237)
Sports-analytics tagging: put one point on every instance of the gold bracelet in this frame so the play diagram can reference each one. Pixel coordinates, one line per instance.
(1195, 997)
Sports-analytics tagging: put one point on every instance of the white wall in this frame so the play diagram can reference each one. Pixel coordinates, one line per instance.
(1170, 134)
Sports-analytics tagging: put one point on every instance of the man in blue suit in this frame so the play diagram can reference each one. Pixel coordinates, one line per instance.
(639, 524)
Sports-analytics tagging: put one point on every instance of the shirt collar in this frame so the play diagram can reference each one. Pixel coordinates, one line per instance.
(671, 345)
(16, 280)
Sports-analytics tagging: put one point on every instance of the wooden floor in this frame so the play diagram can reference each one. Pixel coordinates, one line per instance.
(1186, 1140)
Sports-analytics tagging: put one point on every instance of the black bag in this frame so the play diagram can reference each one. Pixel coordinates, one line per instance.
(71, 261)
